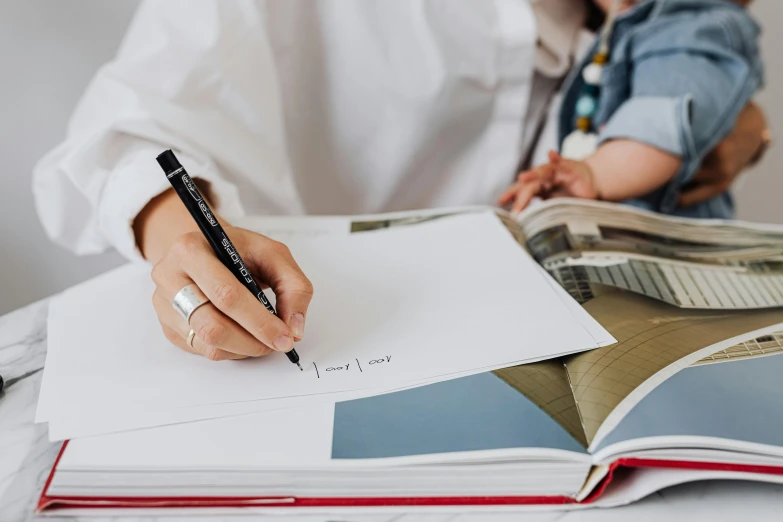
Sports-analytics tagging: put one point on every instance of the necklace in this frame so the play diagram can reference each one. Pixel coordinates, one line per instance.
(583, 140)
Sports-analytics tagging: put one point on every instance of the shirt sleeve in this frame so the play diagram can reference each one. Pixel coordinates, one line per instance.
(90, 188)
(686, 94)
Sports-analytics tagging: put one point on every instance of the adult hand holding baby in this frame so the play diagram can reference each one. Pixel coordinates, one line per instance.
(736, 152)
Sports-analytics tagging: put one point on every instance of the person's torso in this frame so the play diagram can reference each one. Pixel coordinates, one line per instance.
(404, 104)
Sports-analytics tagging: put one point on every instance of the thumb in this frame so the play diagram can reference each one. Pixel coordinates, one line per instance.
(555, 157)
(293, 290)
(292, 304)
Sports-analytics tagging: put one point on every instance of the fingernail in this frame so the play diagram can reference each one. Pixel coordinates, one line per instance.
(297, 325)
(284, 343)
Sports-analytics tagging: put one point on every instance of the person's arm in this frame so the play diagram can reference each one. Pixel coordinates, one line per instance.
(603, 175)
(626, 169)
(102, 187)
(687, 94)
(234, 324)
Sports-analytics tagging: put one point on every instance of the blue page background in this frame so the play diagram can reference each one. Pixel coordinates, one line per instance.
(479, 412)
(740, 399)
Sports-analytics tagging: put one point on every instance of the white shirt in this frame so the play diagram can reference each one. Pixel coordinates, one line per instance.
(302, 106)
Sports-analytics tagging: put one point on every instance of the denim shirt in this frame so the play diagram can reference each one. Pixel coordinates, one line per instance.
(679, 73)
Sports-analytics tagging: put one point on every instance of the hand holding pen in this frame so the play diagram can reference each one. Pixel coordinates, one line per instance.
(232, 323)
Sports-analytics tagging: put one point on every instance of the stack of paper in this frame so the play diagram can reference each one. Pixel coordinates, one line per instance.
(393, 309)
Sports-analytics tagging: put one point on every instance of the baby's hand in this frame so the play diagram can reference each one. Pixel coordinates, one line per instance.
(558, 178)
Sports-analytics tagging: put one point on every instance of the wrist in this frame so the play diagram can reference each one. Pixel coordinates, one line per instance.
(162, 221)
(592, 179)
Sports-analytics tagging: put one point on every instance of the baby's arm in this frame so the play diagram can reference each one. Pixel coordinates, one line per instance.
(689, 79)
(618, 170)
(624, 169)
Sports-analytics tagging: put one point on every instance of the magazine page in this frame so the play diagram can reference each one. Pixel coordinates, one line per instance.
(589, 394)
(655, 340)
(697, 264)
(730, 399)
(476, 413)
(546, 384)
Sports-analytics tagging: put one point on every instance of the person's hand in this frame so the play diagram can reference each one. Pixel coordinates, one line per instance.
(234, 324)
(730, 157)
(559, 178)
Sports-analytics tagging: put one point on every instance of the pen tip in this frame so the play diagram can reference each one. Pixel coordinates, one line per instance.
(300, 367)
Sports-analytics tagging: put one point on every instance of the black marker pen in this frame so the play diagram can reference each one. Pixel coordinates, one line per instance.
(208, 224)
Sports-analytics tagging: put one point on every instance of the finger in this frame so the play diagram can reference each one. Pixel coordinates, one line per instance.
(168, 316)
(216, 330)
(571, 166)
(566, 177)
(177, 340)
(706, 175)
(177, 330)
(540, 172)
(543, 174)
(525, 193)
(508, 196)
(575, 184)
(231, 298)
(554, 157)
(525, 174)
(237, 346)
(703, 174)
(559, 193)
(293, 290)
(711, 176)
(181, 343)
(215, 333)
(699, 194)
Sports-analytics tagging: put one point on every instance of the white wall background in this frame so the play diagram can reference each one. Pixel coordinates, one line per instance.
(49, 50)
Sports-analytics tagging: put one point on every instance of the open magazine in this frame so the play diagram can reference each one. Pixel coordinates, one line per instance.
(695, 308)
(692, 384)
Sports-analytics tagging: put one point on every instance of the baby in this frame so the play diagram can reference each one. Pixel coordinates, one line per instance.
(662, 86)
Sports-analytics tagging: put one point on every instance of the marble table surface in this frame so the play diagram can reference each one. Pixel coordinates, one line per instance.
(26, 456)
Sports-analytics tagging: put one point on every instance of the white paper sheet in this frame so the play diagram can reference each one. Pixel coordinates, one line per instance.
(129, 419)
(599, 334)
(286, 438)
(391, 308)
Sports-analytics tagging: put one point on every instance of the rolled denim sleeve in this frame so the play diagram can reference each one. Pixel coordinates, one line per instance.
(686, 93)
(664, 123)
(659, 121)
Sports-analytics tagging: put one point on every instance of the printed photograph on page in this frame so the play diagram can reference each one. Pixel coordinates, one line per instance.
(729, 398)
(681, 262)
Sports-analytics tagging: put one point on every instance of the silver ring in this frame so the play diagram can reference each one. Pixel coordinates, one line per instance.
(191, 335)
(187, 301)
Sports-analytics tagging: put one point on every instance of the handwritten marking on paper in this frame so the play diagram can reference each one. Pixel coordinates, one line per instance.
(344, 368)
(338, 368)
